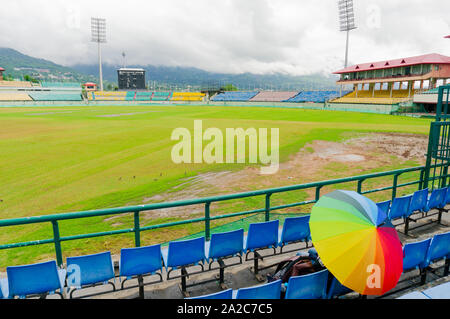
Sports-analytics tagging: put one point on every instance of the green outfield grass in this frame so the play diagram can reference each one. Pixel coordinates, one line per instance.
(64, 159)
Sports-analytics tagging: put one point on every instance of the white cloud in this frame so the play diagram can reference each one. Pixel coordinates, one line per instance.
(259, 36)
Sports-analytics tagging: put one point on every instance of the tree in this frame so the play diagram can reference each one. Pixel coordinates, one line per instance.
(229, 87)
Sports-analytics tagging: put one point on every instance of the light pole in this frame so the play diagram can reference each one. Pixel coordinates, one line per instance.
(346, 21)
(98, 29)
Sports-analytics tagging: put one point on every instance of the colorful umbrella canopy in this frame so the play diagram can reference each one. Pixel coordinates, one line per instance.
(356, 242)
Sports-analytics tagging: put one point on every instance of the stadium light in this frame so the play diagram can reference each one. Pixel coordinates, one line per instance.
(346, 21)
(98, 29)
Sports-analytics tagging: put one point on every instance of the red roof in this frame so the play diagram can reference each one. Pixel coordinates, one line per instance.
(447, 37)
(89, 84)
(2, 69)
(432, 58)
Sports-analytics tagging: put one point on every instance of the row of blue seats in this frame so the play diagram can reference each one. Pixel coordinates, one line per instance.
(420, 202)
(312, 286)
(97, 269)
(316, 96)
(94, 269)
(235, 96)
(419, 255)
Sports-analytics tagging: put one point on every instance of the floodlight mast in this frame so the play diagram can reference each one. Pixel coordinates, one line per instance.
(346, 21)
(98, 28)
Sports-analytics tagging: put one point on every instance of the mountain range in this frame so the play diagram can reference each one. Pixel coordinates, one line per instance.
(17, 65)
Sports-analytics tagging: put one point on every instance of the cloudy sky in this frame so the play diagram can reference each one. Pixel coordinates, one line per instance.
(232, 36)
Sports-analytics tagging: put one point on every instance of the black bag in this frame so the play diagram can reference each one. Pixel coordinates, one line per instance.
(295, 266)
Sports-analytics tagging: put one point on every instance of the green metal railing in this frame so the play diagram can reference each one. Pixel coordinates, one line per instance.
(207, 219)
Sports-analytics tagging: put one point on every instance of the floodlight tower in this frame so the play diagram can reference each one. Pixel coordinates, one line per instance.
(346, 21)
(98, 28)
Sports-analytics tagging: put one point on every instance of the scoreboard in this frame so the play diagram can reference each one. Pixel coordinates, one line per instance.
(131, 79)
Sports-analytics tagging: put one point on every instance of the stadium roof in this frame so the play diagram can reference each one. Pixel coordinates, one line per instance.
(432, 58)
(131, 69)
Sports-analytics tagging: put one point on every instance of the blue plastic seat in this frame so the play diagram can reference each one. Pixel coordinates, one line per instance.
(312, 286)
(184, 253)
(439, 248)
(447, 196)
(264, 292)
(222, 295)
(225, 245)
(4, 288)
(384, 206)
(437, 199)
(399, 208)
(140, 261)
(415, 254)
(438, 292)
(295, 230)
(36, 279)
(92, 269)
(418, 202)
(336, 289)
(262, 235)
(414, 295)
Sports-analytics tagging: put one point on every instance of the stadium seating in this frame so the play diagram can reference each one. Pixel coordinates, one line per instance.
(439, 249)
(143, 96)
(272, 96)
(376, 97)
(438, 292)
(224, 246)
(414, 257)
(222, 295)
(418, 205)
(15, 84)
(93, 270)
(384, 206)
(294, 230)
(55, 96)
(234, 96)
(315, 96)
(37, 279)
(98, 269)
(130, 96)
(61, 85)
(4, 292)
(188, 96)
(7, 96)
(414, 295)
(161, 96)
(260, 236)
(399, 208)
(336, 289)
(139, 262)
(312, 286)
(176, 257)
(108, 96)
(265, 292)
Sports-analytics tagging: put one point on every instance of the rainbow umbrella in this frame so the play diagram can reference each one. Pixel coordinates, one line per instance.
(356, 242)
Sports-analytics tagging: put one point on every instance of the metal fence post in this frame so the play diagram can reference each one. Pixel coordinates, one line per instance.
(56, 238)
(318, 188)
(394, 186)
(207, 221)
(360, 186)
(267, 210)
(137, 230)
